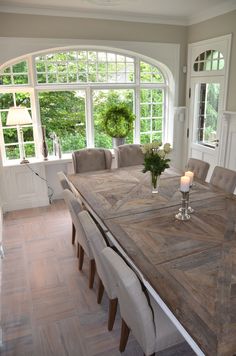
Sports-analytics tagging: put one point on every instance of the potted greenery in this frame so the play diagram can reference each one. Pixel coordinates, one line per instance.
(118, 122)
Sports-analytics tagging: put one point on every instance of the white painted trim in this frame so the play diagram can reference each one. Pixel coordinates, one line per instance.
(222, 43)
(122, 16)
(26, 204)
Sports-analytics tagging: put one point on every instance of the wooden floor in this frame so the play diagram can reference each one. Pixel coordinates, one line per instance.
(46, 305)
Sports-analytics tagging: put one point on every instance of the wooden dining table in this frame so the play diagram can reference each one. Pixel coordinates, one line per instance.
(190, 266)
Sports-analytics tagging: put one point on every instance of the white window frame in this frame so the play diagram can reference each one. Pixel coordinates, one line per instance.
(35, 88)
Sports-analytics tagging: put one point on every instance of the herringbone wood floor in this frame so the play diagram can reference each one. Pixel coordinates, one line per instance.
(46, 305)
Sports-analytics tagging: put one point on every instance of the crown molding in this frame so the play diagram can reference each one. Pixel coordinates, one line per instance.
(120, 16)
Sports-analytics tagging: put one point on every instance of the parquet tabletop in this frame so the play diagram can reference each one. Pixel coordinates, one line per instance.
(191, 264)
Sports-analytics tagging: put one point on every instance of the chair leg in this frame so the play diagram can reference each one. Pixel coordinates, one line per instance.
(81, 257)
(73, 233)
(100, 291)
(124, 335)
(77, 250)
(112, 313)
(92, 270)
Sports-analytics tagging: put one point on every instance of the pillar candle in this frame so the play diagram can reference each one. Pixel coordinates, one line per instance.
(190, 175)
(184, 183)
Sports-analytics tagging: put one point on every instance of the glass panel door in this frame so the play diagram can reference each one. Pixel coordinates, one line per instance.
(207, 113)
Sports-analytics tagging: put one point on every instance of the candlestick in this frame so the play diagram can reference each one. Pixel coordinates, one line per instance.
(184, 183)
(183, 214)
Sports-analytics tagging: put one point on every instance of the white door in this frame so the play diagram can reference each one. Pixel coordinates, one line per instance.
(208, 63)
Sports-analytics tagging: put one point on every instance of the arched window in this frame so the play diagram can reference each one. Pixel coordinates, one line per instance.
(208, 61)
(69, 90)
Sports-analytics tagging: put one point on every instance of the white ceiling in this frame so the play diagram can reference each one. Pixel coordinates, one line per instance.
(182, 12)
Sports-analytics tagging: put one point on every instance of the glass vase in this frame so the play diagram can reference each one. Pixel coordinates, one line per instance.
(155, 182)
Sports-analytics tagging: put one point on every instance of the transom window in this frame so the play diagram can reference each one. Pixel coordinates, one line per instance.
(209, 60)
(84, 67)
(68, 93)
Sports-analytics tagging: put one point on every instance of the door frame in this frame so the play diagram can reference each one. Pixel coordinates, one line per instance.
(222, 44)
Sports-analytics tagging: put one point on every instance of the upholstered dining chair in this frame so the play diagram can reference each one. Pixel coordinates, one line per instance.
(75, 208)
(63, 180)
(198, 167)
(129, 155)
(65, 184)
(224, 179)
(106, 280)
(149, 325)
(91, 159)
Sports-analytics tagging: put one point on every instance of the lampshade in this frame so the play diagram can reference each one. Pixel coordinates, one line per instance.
(18, 115)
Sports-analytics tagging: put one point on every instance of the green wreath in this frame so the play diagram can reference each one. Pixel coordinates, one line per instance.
(118, 121)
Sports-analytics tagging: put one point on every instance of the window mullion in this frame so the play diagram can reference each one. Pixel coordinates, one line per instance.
(137, 102)
(89, 118)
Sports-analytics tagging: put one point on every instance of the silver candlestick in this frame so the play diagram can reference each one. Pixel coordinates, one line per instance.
(183, 214)
(190, 210)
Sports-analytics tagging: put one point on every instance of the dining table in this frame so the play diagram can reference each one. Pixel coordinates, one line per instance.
(189, 266)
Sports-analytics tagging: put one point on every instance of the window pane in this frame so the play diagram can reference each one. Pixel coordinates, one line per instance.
(150, 73)
(63, 113)
(207, 113)
(10, 135)
(84, 66)
(102, 99)
(6, 101)
(153, 109)
(209, 60)
(12, 152)
(29, 150)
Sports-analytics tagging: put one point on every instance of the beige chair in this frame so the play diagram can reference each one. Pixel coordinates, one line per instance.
(97, 244)
(66, 185)
(63, 180)
(150, 326)
(129, 155)
(91, 159)
(75, 208)
(224, 179)
(198, 167)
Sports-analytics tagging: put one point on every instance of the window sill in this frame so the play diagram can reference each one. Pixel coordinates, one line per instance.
(65, 158)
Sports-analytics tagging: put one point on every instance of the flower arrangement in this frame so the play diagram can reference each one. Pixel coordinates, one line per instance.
(155, 159)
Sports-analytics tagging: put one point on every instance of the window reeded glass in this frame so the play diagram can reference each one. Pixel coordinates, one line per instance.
(208, 61)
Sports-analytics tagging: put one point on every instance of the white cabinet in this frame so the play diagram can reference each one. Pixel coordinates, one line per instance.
(21, 188)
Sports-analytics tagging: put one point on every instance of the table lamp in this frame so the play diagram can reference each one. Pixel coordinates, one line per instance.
(19, 115)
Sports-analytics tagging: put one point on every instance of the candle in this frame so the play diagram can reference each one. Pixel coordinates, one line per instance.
(184, 183)
(190, 175)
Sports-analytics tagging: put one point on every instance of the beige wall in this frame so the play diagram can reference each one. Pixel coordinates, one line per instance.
(219, 26)
(13, 25)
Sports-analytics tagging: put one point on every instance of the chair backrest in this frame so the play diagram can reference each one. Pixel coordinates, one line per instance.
(224, 179)
(91, 159)
(198, 167)
(75, 207)
(97, 245)
(63, 180)
(129, 155)
(134, 306)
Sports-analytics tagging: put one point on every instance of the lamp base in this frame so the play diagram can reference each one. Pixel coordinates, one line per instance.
(24, 161)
